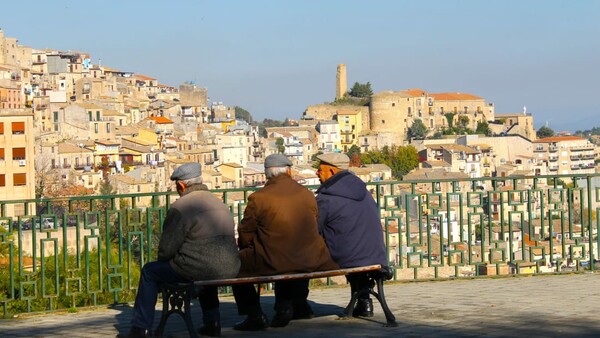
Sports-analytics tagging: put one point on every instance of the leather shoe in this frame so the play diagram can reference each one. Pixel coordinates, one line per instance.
(252, 323)
(364, 308)
(282, 318)
(136, 332)
(211, 328)
(303, 312)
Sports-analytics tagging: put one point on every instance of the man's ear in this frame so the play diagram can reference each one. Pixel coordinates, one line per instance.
(180, 185)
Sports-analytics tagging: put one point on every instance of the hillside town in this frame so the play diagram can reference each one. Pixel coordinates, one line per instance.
(72, 126)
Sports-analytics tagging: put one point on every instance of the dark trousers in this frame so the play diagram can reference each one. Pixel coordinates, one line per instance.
(156, 273)
(288, 294)
(359, 281)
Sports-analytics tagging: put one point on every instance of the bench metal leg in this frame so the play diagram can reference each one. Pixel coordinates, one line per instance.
(391, 320)
(350, 307)
(177, 300)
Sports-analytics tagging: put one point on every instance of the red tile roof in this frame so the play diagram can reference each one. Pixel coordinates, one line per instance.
(160, 119)
(454, 96)
(558, 139)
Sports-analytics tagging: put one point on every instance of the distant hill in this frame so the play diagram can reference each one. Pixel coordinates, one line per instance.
(588, 133)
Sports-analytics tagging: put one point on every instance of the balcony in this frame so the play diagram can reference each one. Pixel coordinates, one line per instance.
(552, 149)
(553, 158)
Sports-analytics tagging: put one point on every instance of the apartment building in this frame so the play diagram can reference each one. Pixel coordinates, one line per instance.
(565, 154)
(329, 135)
(350, 122)
(17, 170)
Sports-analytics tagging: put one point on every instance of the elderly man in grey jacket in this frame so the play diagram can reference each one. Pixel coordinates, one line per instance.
(197, 243)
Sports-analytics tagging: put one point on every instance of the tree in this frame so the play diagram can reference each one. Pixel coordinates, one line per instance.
(406, 159)
(450, 119)
(361, 90)
(417, 131)
(463, 121)
(243, 114)
(354, 155)
(400, 159)
(483, 128)
(280, 147)
(544, 132)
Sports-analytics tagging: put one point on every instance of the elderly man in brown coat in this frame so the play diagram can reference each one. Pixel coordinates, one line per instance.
(277, 235)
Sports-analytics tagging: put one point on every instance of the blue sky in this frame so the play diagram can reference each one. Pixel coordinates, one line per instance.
(276, 57)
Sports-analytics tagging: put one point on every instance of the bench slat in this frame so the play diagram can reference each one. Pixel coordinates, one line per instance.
(291, 276)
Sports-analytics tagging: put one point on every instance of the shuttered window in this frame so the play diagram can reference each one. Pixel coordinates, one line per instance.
(2, 180)
(18, 128)
(18, 153)
(1, 154)
(19, 179)
(1, 128)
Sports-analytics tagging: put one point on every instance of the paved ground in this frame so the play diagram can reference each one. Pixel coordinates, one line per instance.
(540, 306)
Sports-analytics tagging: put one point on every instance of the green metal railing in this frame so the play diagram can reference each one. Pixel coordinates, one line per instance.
(87, 250)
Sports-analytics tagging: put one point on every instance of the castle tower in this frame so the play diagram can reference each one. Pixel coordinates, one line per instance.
(341, 85)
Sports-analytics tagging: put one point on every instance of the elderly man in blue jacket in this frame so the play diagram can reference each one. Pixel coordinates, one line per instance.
(350, 223)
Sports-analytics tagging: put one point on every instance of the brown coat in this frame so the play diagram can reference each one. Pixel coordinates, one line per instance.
(278, 233)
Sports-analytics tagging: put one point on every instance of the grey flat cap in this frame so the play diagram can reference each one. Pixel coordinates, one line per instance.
(277, 160)
(337, 160)
(186, 171)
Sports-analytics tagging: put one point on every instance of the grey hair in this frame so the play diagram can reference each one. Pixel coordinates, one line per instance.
(195, 180)
(275, 171)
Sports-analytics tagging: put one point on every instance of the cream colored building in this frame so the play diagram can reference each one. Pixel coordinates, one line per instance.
(393, 113)
(234, 148)
(17, 157)
(520, 124)
(565, 154)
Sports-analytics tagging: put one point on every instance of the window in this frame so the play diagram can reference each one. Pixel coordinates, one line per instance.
(90, 115)
(18, 128)
(55, 116)
(19, 179)
(2, 180)
(1, 154)
(108, 127)
(1, 128)
(96, 128)
(18, 153)
(97, 115)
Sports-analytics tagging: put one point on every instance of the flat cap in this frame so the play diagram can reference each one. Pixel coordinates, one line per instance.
(186, 171)
(277, 160)
(335, 159)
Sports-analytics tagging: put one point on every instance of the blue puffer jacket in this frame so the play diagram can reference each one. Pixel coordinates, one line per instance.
(349, 221)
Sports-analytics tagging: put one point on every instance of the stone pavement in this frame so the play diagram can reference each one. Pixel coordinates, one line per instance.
(538, 306)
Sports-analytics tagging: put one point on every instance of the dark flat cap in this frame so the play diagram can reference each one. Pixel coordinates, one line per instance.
(335, 159)
(186, 171)
(277, 160)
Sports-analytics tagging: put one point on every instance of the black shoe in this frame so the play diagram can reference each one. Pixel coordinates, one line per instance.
(252, 323)
(211, 328)
(364, 308)
(303, 312)
(282, 318)
(136, 332)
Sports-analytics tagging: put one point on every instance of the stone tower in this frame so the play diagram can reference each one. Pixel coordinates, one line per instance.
(341, 84)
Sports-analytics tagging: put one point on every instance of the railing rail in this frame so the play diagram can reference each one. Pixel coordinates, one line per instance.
(87, 250)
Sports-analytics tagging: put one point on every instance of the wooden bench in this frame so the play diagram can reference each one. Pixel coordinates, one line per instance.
(177, 297)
